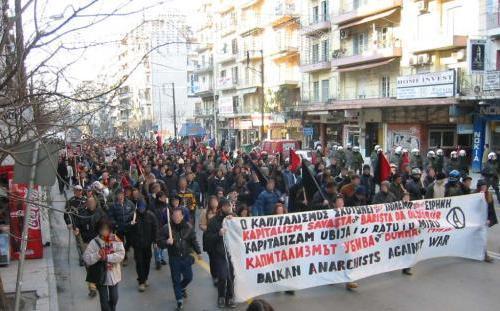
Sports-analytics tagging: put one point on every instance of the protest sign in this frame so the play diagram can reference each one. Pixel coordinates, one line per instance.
(308, 249)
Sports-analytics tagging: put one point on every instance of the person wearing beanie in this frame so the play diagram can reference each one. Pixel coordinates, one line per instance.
(384, 195)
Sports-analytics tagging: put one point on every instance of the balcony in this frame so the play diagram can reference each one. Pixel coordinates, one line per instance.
(251, 25)
(205, 89)
(203, 46)
(349, 11)
(316, 25)
(286, 45)
(440, 42)
(204, 67)
(226, 58)
(493, 23)
(316, 64)
(203, 112)
(373, 53)
(227, 83)
(225, 6)
(244, 4)
(253, 51)
(284, 11)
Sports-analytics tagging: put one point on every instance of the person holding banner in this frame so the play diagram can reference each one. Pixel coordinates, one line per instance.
(179, 238)
(224, 267)
(482, 186)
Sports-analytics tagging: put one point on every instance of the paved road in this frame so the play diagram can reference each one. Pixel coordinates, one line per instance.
(446, 284)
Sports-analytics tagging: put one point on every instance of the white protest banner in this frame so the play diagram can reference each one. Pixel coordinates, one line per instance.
(302, 250)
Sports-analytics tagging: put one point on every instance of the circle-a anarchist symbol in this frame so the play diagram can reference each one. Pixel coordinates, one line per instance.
(456, 217)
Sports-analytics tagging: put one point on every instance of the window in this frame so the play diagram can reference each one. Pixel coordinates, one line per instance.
(386, 87)
(224, 48)
(315, 14)
(442, 138)
(325, 90)
(234, 74)
(234, 46)
(361, 88)
(324, 50)
(223, 73)
(360, 43)
(315, 53)
(324, 10)
(316, 91)
(383, 37)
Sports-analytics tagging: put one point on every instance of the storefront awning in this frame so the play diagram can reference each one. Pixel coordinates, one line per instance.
(249, 90)
(369, 19)
(365, 66)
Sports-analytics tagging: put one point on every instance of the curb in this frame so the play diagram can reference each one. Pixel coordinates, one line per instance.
(51, 276)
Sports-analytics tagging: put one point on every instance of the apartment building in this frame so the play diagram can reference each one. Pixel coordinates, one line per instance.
(395, 73)
(255, 64)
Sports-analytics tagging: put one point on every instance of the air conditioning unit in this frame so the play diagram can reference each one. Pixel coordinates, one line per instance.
(424, 59)
(344, 33)
(423, 6)
(413, 60)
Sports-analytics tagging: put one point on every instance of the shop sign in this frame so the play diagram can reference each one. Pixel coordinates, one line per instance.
(308, 131)
(427, 85)
(465, 129)
(477, 49)
(492, 110)
(491, 81)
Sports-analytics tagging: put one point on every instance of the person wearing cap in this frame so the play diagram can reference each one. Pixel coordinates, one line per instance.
(437, 189)
(490, 173)
(384, 195)
(397, 187)
(414, 185)
(453, 186)
(482, 187)
(74, 207)
(85, 229)
(222, 259)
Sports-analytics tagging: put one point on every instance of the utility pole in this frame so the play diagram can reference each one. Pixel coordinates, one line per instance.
(175, 110)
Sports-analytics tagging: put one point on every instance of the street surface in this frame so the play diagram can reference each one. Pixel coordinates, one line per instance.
(438, 284)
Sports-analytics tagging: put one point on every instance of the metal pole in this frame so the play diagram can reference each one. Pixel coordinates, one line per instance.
(262, 99)
(214, 99)
(175, 111)
(24, 236)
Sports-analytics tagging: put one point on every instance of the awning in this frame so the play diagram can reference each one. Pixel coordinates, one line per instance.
(369, 19)
(365, 66)
(191, 129)
(248, 90)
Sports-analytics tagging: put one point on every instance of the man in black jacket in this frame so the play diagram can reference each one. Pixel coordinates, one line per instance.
(180, 240)
(144, 233)
(74, 207)
(224, 267)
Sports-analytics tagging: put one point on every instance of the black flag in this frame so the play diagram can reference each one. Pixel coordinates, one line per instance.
(253, 167)
(310, 183)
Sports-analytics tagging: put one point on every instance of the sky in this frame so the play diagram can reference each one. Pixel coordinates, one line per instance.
(88, 64)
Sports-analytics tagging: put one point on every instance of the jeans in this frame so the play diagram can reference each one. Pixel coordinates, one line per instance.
(142, 256)
(159, 254)
(108, 297)
(182, 274)
(211, 262)
(225, 274)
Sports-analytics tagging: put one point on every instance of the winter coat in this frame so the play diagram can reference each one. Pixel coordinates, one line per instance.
(116, 253)
(463, 165)
(490, 168)
(415, 188)
(453, 164)
(397, 190)
(74, 206)
(215, 242)
(161, 212)
(87, 223)
(145, 230)
(368, 182)
(264, 205)
(184, 237)
(384, 197)
(188, 199)
(215, 182)
(357, 161)
(122, 215)
(439, 164)
(340, 155)
(416, 161)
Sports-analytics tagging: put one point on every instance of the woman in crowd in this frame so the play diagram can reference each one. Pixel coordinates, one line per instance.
(205, 217)
(107, 249)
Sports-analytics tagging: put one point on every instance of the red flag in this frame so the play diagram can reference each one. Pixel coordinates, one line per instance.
(384, 167)
(294, 161)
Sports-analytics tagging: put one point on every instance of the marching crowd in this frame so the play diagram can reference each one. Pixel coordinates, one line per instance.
(154, 197)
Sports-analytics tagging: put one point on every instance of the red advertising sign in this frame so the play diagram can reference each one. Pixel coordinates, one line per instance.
(17, 206)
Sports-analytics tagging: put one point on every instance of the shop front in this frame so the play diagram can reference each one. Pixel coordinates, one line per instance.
(486, 131)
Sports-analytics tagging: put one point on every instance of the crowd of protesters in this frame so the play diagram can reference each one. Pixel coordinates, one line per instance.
(147, 195)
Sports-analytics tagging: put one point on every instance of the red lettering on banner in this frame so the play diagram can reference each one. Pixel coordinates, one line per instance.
(330, 223)
(372, 218)
(358, 244)
(401, 234)
(267, 232)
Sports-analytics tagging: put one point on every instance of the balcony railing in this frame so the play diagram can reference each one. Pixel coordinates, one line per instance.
(316, 24)
(227, 83)
(284, 10)
(204, 67)
(379, 51)
(313, 63)
(251, 24)
(440, 41)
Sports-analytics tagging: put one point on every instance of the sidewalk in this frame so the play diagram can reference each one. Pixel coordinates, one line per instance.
(38, 276)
